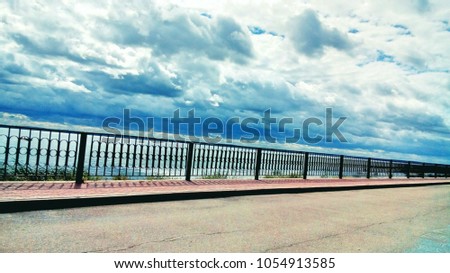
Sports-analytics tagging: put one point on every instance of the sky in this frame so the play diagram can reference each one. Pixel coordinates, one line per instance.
(383, 65)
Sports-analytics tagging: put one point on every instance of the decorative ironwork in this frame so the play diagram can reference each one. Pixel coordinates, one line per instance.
(222, 161)
(126, 157)
(276, 163)
(28, 153)
(37, 154)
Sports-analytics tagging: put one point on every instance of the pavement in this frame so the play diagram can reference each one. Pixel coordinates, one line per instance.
(384, 220)
(28, 195)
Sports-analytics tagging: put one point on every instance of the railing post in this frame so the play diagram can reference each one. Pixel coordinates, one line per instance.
(369, 163)
(341, 166)
(190, 156)
(5, 170)
(390, 169)
(305, 166)
(81, 156)
(408, 170)
(258, 163)
(423, 170)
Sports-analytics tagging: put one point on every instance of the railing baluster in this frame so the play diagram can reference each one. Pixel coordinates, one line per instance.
(246, 159)
(170, 158)
(113, 161)
(58, 147)
(197, 158)
(147, 157)
(66, 162)
(182, 157)
(27, 161)
(47, 161)
(213, 159)
(225, 160)
(38, 155)
(268, 163)
(238, 161)
(203, 152)
(216, 164)
(121, 155)
(16, 164)
(288, 163)
(221, 159)
(134, 155)
(97, 158)
(252, 158)
(284, 164)
(390, 169)
(165, 159)
(305, 166)
(127, 155)
(159, 158)
(153, 157)
(244, 154)
(190, 154)
(408, 170)
(141, 155)
(176, 159)
(7, 148)
(233, 161)
(90, 155)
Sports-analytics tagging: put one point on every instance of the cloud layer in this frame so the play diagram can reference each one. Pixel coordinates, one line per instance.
(383, 65)
(310, 37)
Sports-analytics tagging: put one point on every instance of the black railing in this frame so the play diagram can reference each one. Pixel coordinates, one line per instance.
(28, 153)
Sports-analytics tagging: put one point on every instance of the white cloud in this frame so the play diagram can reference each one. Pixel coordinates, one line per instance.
(215, 100)
(310, 36)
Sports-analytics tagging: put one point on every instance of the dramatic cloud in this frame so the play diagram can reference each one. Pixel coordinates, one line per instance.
(153, 82)
(310, 37)
(382, 64)
(218, 38)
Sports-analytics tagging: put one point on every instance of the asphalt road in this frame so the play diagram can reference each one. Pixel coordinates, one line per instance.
(380, 220)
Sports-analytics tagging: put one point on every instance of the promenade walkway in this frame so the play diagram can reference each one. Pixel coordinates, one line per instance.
(22, 196)
(16, 191)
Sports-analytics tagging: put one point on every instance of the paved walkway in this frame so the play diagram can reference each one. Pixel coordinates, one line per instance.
(409, 219)
(21, 191)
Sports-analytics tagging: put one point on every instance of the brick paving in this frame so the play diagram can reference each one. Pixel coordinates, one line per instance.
(16, 191)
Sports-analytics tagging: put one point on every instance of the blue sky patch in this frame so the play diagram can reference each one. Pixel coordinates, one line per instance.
(207, 15)
(402, 29)
(256, 30)
(383, 57)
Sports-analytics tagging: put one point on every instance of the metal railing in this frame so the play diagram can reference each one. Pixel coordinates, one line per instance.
(28, 153)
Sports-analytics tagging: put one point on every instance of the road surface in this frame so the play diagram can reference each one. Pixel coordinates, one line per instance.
(378, 220)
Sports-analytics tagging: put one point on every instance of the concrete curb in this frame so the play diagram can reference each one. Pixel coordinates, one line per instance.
(63, 203)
